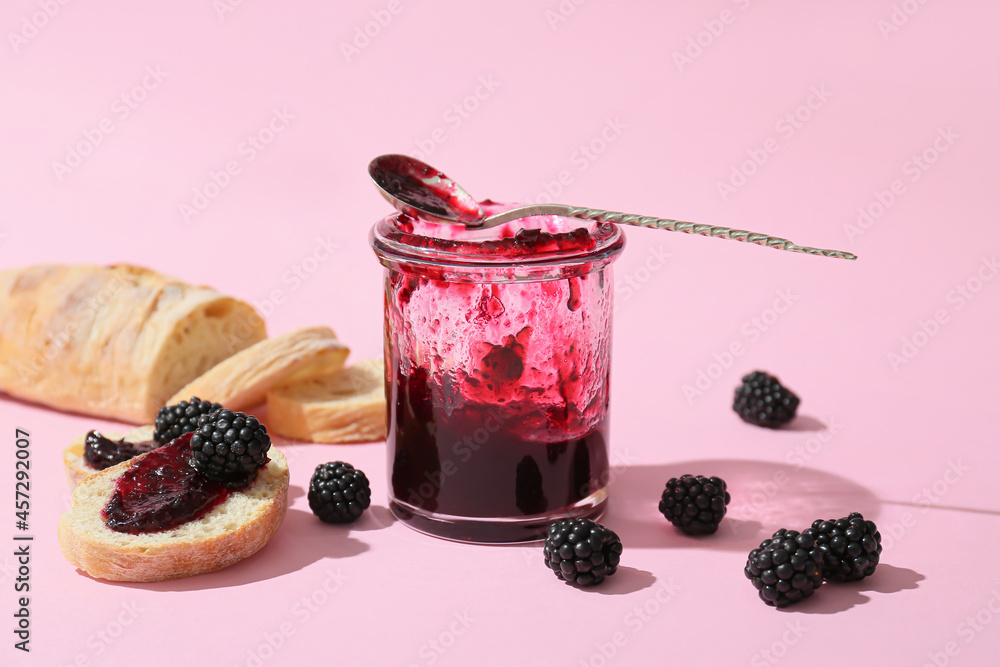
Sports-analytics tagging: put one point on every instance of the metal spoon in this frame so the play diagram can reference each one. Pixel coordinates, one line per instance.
(421, 191)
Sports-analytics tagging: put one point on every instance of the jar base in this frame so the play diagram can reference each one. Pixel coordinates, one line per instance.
(492, 530)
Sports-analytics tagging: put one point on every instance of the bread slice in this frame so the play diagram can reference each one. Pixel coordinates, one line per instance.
(242, 380)
(76, 467)
(237, 528)
(343, 407)
(113, 341)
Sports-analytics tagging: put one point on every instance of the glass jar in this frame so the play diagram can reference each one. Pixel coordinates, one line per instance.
(497, 357)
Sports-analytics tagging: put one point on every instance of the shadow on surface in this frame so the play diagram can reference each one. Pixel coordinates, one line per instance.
(832, 597)
(624, 581)
(804, 423)
(301, 541)
(375, 517)
(889, 579)
(765, 496)
(829, 599)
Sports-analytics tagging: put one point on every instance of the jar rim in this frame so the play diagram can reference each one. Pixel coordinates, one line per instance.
(393, 242)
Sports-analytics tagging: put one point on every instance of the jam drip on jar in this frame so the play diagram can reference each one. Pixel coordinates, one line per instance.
(162, 490)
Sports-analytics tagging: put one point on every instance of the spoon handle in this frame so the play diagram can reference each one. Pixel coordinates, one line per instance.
(600, 215)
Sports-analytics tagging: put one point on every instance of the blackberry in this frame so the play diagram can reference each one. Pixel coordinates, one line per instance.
(761, 400)
(173, 421)
(695, 504)
(582, 552)
(850, 546)
(786, 568)
(101, 452)
(338, 493)
(230, 447)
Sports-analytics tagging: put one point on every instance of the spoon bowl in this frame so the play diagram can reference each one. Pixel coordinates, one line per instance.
(421, 191)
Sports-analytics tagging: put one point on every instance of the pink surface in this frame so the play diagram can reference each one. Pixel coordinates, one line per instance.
(226, 143)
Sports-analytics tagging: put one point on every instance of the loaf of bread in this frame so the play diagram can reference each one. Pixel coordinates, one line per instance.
(343, 407)
(234, 530)
(113, 342)
(242, 380)
(76, 467)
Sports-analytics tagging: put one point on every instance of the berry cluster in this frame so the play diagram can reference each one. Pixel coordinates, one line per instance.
(338, 493)
(694, 503)
(790, 566)
(173, 421)
(786, 568)
(761, 400)
(851, 547)
(230, 447)
(582, 552)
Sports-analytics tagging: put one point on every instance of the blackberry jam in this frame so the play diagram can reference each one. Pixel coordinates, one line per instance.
(101, 452)
(497, 349)
(162, 491)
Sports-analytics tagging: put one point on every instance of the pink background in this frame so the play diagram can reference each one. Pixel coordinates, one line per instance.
(594, 106)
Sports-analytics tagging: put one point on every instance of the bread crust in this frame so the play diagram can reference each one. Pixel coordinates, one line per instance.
(243, 380)
(115, 341)
(234, 530)
(343, 407)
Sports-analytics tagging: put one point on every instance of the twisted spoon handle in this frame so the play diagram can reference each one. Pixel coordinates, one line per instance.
(600, 215)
